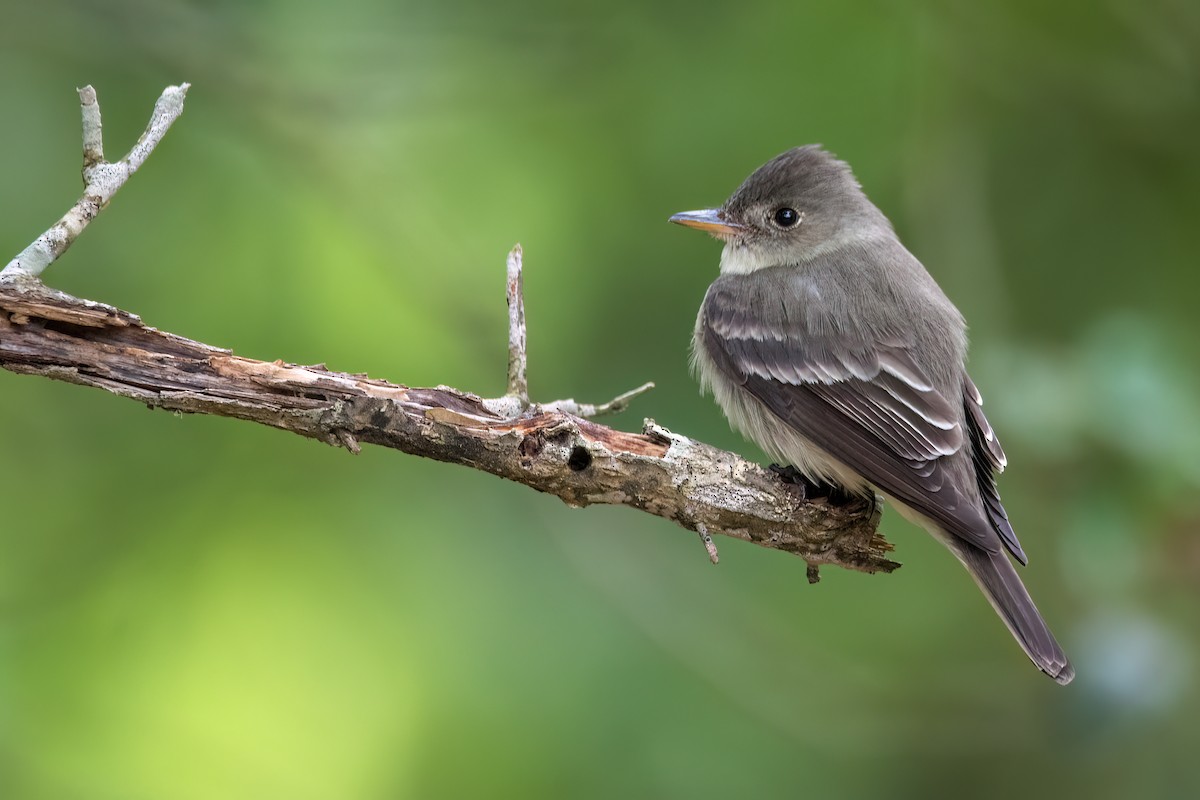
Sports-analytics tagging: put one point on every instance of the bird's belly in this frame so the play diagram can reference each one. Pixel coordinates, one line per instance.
(780, 441)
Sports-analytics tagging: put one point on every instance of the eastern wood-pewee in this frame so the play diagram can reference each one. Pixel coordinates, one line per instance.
(826, 342)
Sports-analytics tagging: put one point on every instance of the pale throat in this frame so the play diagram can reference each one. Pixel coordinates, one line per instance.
(740, 258)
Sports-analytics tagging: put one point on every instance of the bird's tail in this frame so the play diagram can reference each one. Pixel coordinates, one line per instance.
(999, 581)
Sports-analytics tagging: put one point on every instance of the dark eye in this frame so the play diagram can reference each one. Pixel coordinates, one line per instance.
(786, 217)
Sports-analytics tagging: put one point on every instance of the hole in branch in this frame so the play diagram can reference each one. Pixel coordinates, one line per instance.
(580, 459)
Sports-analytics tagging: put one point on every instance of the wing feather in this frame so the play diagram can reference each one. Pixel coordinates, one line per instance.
(867, 403)
(989, 460)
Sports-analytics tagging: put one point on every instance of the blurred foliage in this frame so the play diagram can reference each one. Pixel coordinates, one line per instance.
(197, 608)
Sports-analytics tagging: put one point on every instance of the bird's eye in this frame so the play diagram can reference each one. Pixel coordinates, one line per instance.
(786, 217)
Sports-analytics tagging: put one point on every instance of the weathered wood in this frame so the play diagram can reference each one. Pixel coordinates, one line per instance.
(51, 334)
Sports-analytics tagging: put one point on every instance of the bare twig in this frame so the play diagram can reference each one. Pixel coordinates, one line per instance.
(516, 396)
(101, 179)
(516, 399)
(614, 406)
(518, 382)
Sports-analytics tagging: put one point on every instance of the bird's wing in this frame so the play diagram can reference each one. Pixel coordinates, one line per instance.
(989, 459)
(863, 400)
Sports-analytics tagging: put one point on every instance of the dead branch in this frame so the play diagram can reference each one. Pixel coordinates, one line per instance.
(552, 447)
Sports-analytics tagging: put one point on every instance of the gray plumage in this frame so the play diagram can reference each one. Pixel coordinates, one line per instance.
(826, 342)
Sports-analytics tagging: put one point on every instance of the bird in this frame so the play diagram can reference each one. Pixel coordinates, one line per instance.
(828, 344)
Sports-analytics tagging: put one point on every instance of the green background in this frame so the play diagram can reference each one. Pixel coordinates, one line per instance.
(194, 607)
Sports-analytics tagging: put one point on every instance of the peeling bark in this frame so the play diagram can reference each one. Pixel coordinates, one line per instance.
(51, 334)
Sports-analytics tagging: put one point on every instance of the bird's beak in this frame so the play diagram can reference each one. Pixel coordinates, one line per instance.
(711, 220)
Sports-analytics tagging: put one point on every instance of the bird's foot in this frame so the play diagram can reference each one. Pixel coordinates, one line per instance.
(789, 474)
(832, 493)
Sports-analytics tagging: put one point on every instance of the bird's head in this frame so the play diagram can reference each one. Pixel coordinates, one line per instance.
(788, 211)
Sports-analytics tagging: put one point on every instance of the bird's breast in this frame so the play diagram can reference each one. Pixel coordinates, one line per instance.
(753, 420)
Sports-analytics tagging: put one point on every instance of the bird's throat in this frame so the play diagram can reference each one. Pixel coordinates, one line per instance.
(739, 259)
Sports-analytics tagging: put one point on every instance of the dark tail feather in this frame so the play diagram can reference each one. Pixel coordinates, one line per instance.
(999, 581)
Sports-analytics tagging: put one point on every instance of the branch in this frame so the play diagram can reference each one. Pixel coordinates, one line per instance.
(552, 448)
(51, 334)
(100, 178)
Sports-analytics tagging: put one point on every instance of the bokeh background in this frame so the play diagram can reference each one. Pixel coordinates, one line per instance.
(198, 608)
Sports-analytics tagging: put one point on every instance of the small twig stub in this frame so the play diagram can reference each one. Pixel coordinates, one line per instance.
(518, 381)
